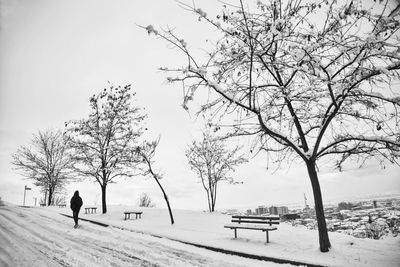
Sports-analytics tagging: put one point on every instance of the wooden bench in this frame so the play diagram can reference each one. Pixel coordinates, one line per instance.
(91, 209)
(261, 223)
(42, 205)
(128, 214)
(62, 205)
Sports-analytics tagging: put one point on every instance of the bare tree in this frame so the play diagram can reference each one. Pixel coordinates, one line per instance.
(212, 161)
(145, 201)
(46, 161)
(145, 154)
(307, 79)
(103, 142)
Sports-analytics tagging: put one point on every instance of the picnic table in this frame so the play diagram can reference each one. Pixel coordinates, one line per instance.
(90, 210)
(137, 213)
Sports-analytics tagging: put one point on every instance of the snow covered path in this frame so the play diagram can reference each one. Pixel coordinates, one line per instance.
(33, 237)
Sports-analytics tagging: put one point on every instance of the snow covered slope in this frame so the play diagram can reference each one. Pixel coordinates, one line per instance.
(41, 237)
(288, 242)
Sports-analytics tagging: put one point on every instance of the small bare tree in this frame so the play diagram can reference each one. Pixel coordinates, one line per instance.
(307, 79)
(102, 143)
(145, 154)
(46, 162)
(213, 161)
(145, 201)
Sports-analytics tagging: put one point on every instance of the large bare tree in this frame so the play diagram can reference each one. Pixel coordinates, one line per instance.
(102, 143)
(46, 161)
(307, 79)
(212, 161)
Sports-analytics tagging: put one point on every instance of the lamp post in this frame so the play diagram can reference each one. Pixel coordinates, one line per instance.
(26, 188)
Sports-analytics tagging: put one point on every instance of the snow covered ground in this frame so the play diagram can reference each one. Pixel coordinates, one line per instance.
(43, 237)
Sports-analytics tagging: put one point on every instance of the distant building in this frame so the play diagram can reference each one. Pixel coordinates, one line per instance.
(306, 207)
(283, 210)
(278, 210)
(248, 212)
(273, 210)
(261, 210)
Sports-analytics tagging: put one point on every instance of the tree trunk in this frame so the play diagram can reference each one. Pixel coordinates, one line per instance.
(50, 196)
(166, 200)
(103, 198)
(324, 243)
(209, 202)
(214, 200)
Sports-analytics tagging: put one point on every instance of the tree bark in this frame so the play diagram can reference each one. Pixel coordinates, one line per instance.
(103, 199)
(209, 202)
(324, 243)
(166, 200)
(215, 196)
(50, 197)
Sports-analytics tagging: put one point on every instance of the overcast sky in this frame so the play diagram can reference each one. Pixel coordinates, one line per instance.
(55, 54)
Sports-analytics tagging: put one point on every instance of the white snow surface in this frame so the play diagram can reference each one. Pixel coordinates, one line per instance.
(43, 237)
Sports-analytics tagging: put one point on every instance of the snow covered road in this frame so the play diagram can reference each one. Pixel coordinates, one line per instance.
(36, 237)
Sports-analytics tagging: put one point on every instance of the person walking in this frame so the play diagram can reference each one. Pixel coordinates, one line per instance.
(76, 204)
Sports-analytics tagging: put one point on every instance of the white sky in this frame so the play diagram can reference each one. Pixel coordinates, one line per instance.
(55, 54)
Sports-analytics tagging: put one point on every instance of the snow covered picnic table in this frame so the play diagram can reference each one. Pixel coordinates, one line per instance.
(91, 209)
(128, 214)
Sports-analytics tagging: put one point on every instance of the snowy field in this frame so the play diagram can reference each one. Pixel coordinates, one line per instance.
(43, 237)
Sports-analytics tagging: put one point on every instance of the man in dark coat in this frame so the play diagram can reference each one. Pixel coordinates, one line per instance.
(76, 204)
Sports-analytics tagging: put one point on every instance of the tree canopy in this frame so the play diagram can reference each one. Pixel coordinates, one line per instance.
(104, 141)
(306, 79)
(47, 162)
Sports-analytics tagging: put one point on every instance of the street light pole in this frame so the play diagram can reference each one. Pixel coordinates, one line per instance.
(24, 196)
(26, 188)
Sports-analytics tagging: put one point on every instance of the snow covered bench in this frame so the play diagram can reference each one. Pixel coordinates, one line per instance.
(261, 223)
(90, 209)
(128, 214)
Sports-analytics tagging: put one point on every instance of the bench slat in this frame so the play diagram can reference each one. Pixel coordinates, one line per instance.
(251, 227)
(257, 222)
(273, 218)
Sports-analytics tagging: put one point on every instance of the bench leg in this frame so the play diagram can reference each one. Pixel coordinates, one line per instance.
(235, 233)
(267, 236)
